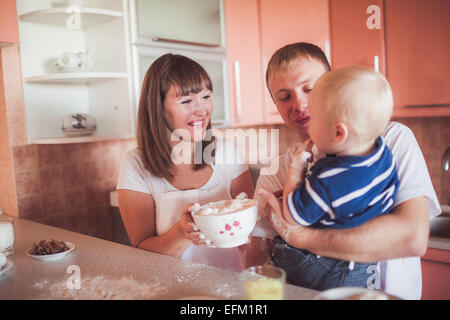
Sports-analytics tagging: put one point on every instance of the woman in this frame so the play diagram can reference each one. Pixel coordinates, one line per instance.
(291, 74)
(155, 188)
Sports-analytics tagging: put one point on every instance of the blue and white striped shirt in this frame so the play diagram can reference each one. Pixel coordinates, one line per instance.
(346, 191)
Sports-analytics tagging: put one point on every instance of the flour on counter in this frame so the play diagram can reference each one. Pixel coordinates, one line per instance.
(41, 285)
(104, 288)
(227, 291)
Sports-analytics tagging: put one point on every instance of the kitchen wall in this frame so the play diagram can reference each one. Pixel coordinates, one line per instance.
(433, 136)
(68, 185)
(8, 201)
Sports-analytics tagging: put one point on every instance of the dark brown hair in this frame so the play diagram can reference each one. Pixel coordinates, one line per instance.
(153, 138)
(283, 57)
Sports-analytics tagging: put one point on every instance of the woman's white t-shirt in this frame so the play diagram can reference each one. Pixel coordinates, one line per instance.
(401, 277)
(170, 202)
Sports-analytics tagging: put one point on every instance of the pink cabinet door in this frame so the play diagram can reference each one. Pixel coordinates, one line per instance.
(244, 62)
(436, 275)
(357, 33)
(288, 21)
(8, 22)
(417, 56)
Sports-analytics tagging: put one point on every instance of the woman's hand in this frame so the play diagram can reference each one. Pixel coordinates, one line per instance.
(190, 230)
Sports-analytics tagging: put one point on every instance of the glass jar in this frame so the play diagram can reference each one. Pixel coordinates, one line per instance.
(6, 235)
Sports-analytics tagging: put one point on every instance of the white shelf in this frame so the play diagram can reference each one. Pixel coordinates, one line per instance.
(67, 140)
(59, 16)
(77, 77)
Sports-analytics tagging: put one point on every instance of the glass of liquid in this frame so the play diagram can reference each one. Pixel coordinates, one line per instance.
(6, 236)
(264, 282)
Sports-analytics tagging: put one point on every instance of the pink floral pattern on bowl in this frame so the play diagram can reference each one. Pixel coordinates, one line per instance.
(234, 227)
(228, 230)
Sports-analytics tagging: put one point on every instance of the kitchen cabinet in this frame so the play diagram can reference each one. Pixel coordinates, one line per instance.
(246, 81)
(215, 66)
(357, 33)
(411, 43)
(287, 21)
(8, 22)
(417, 49)
(105, 92)
(198, 34)
(436, 275)
(193, 22)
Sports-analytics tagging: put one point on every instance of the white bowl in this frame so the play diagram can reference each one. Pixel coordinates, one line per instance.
(353, 293)
(50, 257)
(230, 229)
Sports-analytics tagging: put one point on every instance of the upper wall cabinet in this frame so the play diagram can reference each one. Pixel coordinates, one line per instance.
(193, 22)
(48, 29)
(287, 21)
(357, 36)
(417, 53)
(8, 22)
(244, 62)
(215, 66)
(407, 40)
(193, 28)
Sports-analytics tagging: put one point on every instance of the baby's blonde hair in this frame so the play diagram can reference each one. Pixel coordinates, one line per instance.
(358, 96)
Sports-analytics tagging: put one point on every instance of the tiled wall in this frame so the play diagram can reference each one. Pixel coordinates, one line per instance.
(433, 136)
(68, 185)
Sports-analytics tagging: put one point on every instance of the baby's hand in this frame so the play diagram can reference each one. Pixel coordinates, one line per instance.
(302, 155)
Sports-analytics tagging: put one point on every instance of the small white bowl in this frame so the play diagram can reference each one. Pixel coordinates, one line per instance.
(230, 229)
(353, 293)
(50, 257)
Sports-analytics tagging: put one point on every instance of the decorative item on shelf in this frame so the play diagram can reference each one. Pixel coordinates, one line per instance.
(74, 62)
(77, 125)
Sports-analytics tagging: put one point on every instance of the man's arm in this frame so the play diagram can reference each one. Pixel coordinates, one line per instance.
(401, 233)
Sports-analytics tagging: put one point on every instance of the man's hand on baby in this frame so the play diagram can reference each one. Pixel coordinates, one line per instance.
(190, 229)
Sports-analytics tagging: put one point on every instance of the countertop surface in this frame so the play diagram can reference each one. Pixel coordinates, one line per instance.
(109, 270)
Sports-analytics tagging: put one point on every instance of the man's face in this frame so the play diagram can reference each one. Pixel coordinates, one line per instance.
(290, 89)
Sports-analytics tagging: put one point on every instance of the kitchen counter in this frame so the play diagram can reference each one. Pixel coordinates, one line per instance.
(440, 232)
(110, 270)
(439, 243)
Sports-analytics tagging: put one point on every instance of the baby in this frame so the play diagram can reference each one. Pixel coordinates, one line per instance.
(356, 180)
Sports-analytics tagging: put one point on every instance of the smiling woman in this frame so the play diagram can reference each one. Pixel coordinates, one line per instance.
(155, 192)
(175, 94)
